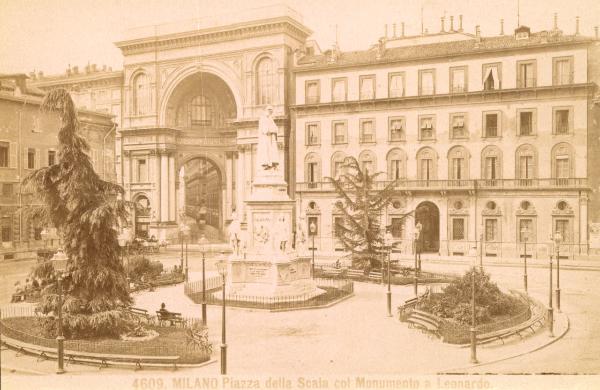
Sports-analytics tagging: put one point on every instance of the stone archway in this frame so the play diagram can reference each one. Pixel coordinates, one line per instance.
(428, 215)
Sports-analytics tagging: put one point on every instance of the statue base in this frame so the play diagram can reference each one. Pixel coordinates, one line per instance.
(278, 276)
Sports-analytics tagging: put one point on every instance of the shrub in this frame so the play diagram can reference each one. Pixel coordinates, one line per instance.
(141, 266)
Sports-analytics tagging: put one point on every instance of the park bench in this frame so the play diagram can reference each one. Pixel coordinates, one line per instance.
(536, 318)
(173, 318)
(425, 321)
(140, 314)
(375, 275)
(332, 272)
(355, 273)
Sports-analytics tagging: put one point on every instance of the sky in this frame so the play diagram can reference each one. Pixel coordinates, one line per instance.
(48, 35)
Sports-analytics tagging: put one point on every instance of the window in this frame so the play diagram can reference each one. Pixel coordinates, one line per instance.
(397, 227)
(201, 111)
(396, 159)
(526, 74)
(339, 90)
(142, 205)
(426, 128)
(426, 164)
(142, 171)
(491, 157)
(367, 130)
(458, 229)
(562, 70)
(4, 154)
(265, 81)
(427, 82)
(140, 94)
(458, 158)
(562, 161)
(313, 134)
(367, 87)
(51, 157)
(396, 129)
(367, 162)
(340, 132)
(313, 92)
(491, 230)
(337, 164)
(7, 189)
(526, 124)
(396, 85)
(491, 77)
(458, 128)
(526, 165)
(313, 168)
(6, 229)
(526, 232)
(563, 120)
(491, 125)
(458, 79)
(562, 226)
(30, 158)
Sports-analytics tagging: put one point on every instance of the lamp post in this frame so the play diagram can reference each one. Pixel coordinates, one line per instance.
(222, 268)
(416, 284)
(550, 310)
(473, 330)
(59, 263)
(388, 238)
(185, 232)
(525, 238)
(313, 232)
(558, 240)
(203, 242)
(481, 250)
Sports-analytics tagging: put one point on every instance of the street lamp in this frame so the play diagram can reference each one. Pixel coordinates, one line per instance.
(59, 263)
(203, 242)
(550, 310)
(388, 238)
(525, 238)
(416, 262)
(473, 330)
(313, 232)
(222, 268)
(481, 250)
(557, 240)
(185, 233)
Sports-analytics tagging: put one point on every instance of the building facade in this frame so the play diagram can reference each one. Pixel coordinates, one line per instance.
(488, 139)
(28, 141)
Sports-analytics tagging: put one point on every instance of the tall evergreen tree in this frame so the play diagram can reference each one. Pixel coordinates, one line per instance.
(86, 212)
(361, 205)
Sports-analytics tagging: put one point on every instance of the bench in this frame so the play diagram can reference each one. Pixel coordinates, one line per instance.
(140, 313)
(425, 321)
(376, 275)
(334, 272)
(355, 273)
(502, 334)
(173, 318)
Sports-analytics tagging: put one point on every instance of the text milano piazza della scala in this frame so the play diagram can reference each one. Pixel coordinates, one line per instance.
(192, 97)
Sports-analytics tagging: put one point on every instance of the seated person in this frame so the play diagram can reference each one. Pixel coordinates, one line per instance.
(164, 313)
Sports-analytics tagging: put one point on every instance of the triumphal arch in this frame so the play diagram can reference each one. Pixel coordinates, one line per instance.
(192, 96)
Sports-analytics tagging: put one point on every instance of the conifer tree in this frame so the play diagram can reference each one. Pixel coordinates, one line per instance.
(361, 205)
(86, 212)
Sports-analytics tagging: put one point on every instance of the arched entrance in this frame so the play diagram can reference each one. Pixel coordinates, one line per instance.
(428, 215)
(142, 216)
(203, 197)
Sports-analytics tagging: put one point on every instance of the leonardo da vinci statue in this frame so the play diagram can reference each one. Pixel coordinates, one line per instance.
(267, 153)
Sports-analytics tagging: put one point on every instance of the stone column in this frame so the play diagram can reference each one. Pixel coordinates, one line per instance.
(164, 186)
(228, 184)
(583, 223)
(172, 199)
(240, 184)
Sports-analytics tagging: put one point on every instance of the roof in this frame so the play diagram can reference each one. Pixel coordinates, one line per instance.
(442, 49)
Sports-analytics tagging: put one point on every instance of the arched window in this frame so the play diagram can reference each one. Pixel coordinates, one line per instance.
(368, 162)
(396, 164)
(491, 165)
(337, 162)
(563, 166)
(141, 95)
(312, 169)
(427, 164)
(142, 206)
(458, 163)
(526, 165)
(201, 111)
(265, 81)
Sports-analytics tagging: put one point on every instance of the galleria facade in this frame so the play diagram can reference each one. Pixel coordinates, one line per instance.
(492, 141)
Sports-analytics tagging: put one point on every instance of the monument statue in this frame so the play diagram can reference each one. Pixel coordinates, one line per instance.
(234, 231)
(267, 152)
(301, 236)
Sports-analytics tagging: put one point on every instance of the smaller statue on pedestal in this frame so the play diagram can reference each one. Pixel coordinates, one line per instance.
(300, 236)
(267, 152)
(234, 231)
(282, 232)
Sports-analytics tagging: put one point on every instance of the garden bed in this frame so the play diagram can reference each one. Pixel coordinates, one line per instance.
(172, 341)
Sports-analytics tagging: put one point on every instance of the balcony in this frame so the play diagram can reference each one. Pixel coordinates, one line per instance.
(460, 185)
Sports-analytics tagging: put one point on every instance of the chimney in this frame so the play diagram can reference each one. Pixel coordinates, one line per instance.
(501, 26)
(477, 32)
(402, 29)
(555, 21)
(451, 23)
(394, 30)
(460, 23)
(385, 32)
(577, 25)
(443, 27)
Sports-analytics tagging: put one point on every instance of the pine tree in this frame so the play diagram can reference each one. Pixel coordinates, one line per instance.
(361, 205)
(86, 212)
